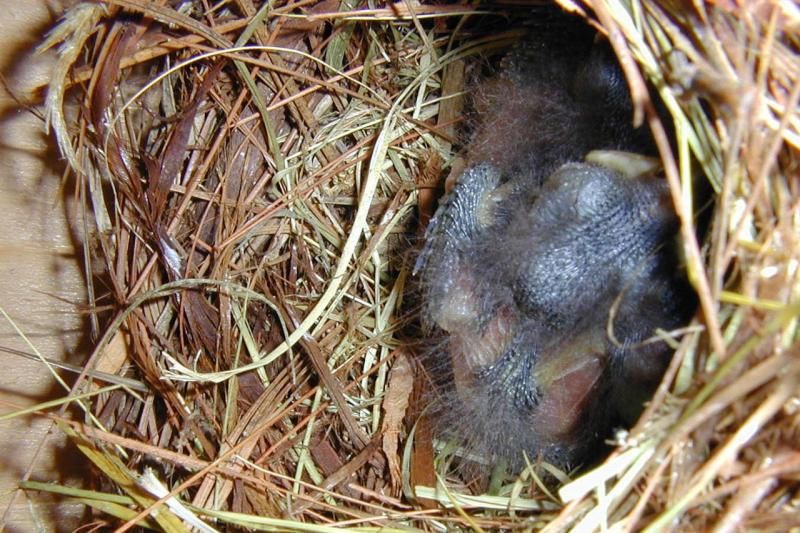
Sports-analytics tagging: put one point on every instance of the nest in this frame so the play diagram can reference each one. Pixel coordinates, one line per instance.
(251, 175)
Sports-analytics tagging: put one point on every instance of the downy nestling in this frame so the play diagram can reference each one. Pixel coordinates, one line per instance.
(549, 262)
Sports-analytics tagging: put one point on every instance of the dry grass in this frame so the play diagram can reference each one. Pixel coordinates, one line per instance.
(247, 177)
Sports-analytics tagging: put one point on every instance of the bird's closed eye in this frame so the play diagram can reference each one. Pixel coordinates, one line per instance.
(594, 197)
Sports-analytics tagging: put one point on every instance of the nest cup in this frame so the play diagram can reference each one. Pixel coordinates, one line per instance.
(255, 175)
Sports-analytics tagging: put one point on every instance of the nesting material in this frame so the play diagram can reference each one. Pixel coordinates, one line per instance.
(250, 175)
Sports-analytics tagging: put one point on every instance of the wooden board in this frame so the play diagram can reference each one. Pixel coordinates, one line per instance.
(40, 282)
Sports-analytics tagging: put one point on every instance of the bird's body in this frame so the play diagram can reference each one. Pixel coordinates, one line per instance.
(533, 251)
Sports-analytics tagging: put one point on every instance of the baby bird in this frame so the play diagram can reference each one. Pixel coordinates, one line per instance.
(543, 273)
